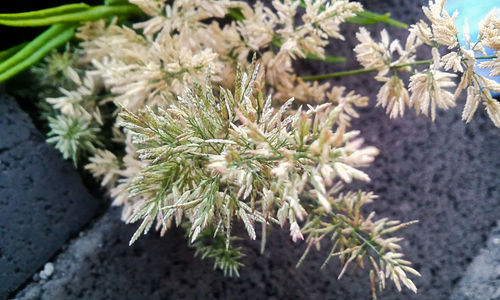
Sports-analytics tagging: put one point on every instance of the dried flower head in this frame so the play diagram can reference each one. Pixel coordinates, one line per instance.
(73, 136)
(429, 88)
(210, 160)
(444, 31)
(393, 96)
(428, 91)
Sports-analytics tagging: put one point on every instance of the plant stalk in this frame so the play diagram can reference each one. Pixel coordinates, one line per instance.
(363, 71)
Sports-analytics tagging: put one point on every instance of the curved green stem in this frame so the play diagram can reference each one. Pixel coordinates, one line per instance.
(363, 71)
(64, 34)
(4, 54)
(91, 14)
(44, 13)
(32, 46)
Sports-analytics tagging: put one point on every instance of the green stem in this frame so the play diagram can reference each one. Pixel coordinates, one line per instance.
(486, 57)
(32, 46)
(363, 71)
(366, 17)
(94, 13)
(327, 58)
(54, 37)
(336, 74)
(44, 13)
(11, 51)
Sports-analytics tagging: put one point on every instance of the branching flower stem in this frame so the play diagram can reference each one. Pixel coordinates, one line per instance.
(370, 243)
(363, 71)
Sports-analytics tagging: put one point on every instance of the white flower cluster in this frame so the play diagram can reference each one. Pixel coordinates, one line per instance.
(178, 44)
(181, 42)
(203, 157)
(429, 88)
(74, 128)
(211, 160)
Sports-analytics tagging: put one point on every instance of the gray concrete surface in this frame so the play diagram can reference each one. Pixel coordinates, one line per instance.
(482, 278)
(42, 200)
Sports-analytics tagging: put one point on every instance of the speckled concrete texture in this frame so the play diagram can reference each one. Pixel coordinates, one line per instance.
(42, 200)
(482, 278)
(445, 174)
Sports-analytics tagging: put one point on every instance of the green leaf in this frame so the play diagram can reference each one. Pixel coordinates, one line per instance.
(235, 13)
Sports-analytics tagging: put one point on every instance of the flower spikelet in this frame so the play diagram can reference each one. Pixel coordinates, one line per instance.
(443, 25)
(428, 91)
(393, 96)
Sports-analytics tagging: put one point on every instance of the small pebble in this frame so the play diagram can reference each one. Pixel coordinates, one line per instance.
(47, 271)
(496, 241)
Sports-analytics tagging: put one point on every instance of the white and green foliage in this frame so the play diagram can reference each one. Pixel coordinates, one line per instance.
(207, 158)
(73, 136)
(356, 239)
(432, 87)
(55, 70)
(213, 160)
(212, 245)
(74, 118)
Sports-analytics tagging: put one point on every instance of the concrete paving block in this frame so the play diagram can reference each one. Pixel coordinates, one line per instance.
(482, 278)
(42, 199)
